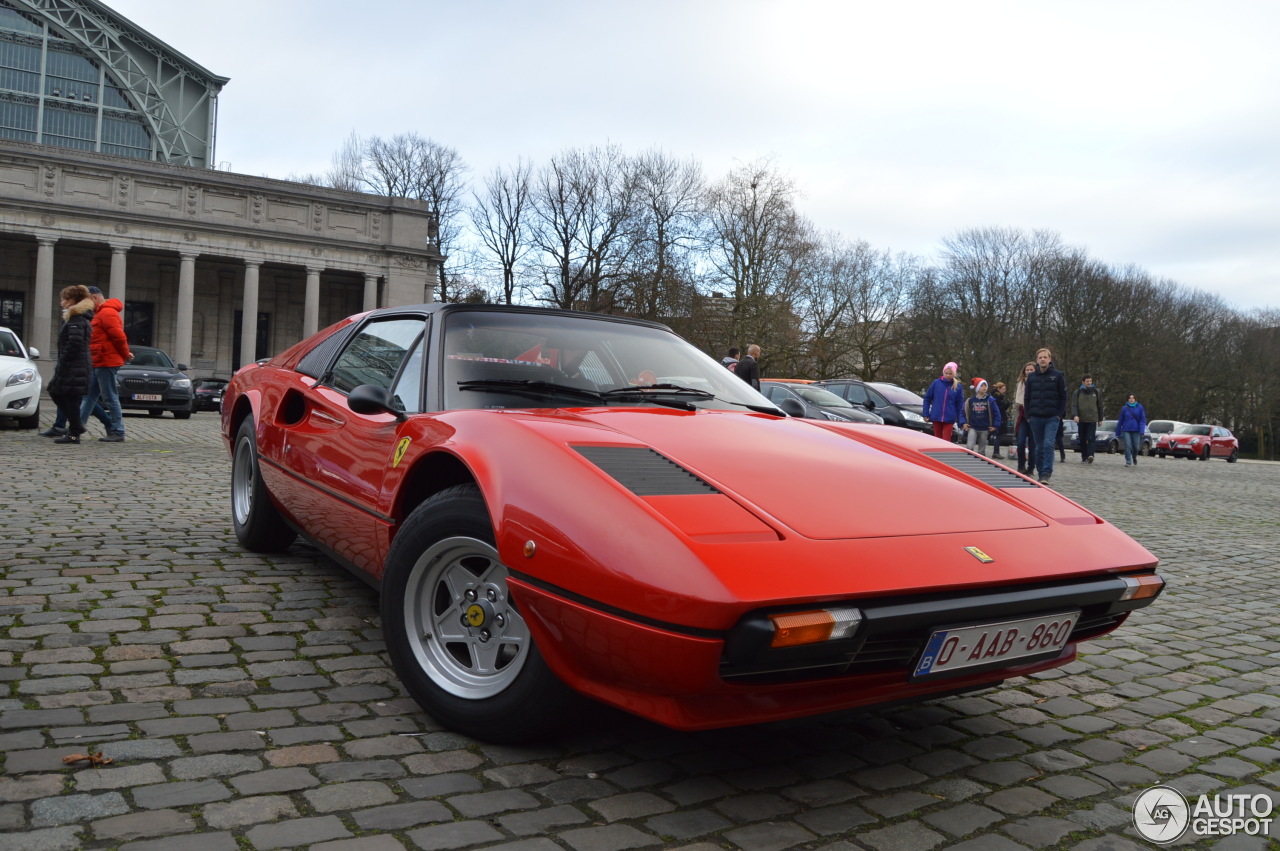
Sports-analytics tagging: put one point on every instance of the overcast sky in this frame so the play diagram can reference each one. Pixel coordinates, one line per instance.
(1146, 132)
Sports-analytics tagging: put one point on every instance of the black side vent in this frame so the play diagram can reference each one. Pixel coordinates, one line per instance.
(985, 471)
(315, 362)
(643, 471)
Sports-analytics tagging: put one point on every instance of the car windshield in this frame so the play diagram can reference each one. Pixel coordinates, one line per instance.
(1199, 430)
(535, 360)
(1160, 427)
(1108, 425)
(9, 345)
(818, 396)
(898, 395)
(144, 356)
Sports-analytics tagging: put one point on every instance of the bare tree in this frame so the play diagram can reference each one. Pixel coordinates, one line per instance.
(499, 217)
(668, 207)
(410, 166)
(582, 209)
(757, 241)
(346, 169)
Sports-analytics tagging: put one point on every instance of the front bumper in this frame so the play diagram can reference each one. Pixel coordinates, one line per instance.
(707, 679)
(153, 395)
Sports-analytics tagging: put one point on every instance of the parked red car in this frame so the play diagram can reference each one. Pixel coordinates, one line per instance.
(1199, 441)
(557, 504)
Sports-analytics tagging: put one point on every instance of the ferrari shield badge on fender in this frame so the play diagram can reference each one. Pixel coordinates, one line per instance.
(400, 450)
(979, 555)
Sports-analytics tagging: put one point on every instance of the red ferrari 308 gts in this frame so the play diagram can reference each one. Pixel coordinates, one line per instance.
(557, 504)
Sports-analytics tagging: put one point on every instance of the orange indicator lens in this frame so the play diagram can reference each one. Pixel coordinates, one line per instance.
(1140, 587)
(792, 629)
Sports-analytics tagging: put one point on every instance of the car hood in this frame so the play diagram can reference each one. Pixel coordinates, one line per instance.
(823, 481)
(129, 371)
(10, 365)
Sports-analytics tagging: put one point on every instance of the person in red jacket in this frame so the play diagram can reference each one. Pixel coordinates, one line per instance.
(109, 348)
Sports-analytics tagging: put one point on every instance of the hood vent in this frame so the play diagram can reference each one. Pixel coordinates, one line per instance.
(643, 471)
(984, 470)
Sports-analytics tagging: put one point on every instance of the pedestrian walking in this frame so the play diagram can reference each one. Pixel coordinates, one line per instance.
(1025, 446)
(942, 401)
(74, 366)
(749, 368)
(1131, 425)
(1002, 403)
(109, 348)
(1087, 410)
(730, 361)
(980, 418)
(1045, 398)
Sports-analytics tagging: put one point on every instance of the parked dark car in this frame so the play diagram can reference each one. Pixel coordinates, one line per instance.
(878, 402)
(815, 402)
(208, 393)
(1155, 428)
(153, 383)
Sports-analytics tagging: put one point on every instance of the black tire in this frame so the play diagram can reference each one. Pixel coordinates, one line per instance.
(1234, 456)
(182, 415)
(1162, 454)
(1204, 456)
(459, 645)
(155, 412)
(255, 518)
(1113, 447)
(32, 421)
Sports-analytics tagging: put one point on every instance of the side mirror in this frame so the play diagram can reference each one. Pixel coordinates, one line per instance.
(182, 367)
(871, 405)
(372, 399)
(33, 353)
(792, 407)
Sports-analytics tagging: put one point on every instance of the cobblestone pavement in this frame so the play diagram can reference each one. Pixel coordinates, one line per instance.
(246, 703)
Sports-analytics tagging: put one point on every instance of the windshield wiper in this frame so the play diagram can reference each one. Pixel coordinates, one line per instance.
(659, 390)
(529, 386)
(648, 390)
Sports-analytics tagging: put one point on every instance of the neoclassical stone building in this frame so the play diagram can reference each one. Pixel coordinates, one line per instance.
(106, 135)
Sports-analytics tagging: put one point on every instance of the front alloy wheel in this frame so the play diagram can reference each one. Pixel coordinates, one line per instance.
(456, 639)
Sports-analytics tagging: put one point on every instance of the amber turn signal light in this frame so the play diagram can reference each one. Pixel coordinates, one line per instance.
(1146, 585)
(792, 629)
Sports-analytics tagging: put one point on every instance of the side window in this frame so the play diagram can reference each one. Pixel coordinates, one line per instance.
(772, 392)
(407, 394)
(857, 394)
(376, 353)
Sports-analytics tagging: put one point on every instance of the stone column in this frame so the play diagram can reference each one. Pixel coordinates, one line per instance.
(370, 291)
(42, 310)
(311, 305)
(186, 307)
(116, 289)
(249, 319)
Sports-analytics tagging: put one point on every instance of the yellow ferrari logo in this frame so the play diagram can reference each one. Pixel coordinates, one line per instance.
(475, 615)
(400, 450)
(979, 555)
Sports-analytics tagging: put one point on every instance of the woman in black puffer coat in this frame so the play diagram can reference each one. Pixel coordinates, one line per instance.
(71, 375)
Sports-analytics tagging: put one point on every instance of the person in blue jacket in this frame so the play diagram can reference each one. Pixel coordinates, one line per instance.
(942, 401)
(1130, 426)
(980, 418)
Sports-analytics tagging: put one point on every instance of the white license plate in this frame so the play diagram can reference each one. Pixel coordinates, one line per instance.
(995, 643)
(147, 397)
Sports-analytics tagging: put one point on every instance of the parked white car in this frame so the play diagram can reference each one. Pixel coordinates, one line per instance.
(19, 381)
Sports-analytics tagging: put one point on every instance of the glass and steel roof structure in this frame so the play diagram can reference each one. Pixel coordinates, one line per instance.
(74, 74)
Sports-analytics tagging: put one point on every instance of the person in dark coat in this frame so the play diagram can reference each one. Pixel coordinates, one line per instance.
(71, 373)
(749, 368)
(1045, 400)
